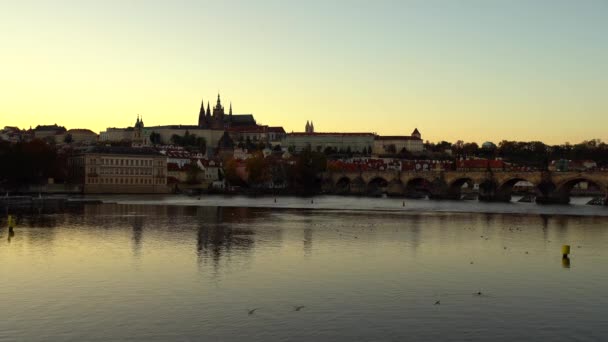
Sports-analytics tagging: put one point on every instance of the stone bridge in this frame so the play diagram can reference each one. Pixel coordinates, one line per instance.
(549, 187)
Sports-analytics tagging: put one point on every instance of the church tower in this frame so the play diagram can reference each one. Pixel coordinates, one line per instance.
(230, 113)
(202, 122)
(218, 110)
(138, 132)
(416, 134)
(218, 114)
(310, 127)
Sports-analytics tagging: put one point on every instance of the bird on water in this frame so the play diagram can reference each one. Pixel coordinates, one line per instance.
(252, 311)
(298, 308)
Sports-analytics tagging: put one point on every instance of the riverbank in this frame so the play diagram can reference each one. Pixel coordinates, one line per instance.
(577, 207)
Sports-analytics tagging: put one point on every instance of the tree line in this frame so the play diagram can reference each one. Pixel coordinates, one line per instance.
(528, 153)
(32, 162)
(301, 175)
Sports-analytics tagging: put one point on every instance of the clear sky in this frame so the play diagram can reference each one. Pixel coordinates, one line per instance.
(472, 70)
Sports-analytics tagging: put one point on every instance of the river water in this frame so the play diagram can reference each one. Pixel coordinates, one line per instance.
(336, 269)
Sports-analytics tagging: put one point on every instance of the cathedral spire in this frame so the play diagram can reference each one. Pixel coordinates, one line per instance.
(219, 103)
(208, 110)
(230, 112)
(202, 111)
(307, 127)
(201, 114)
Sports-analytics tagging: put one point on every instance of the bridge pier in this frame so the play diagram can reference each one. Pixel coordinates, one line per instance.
(443, 196)
(495, 197)
(440, 190)
(328, 186)
(450, 194)
(553, 198)
(358, 187)
(342, 190)
(395, 188)
(489, 192)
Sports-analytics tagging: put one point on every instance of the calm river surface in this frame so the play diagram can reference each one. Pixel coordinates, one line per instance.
(336, 269)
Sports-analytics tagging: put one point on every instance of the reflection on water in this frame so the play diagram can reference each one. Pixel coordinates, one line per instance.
(170, 272)
(577, 206)
(216, 237)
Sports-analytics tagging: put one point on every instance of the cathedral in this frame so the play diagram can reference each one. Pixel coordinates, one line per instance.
(218, 119)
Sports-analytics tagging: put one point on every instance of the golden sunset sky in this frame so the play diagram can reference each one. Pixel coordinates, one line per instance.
(473, 70)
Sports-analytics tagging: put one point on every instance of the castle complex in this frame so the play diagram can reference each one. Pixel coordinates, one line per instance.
(215, 125)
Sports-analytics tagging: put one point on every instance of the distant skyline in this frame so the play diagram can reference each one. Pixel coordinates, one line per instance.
(473, 70)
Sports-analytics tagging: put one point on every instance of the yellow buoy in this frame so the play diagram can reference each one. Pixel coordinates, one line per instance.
(565, 250)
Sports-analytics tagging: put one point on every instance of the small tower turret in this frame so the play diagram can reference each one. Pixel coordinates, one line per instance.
(230, 113)
(416, 134)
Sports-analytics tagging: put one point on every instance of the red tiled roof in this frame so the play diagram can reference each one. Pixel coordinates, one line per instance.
(480, 164)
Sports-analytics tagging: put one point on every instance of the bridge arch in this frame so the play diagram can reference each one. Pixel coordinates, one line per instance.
(505, 189)
(377, 186)
(357, 186)
(569, 184)
(563, 190)
(343, 185)
(418, 187)
(455, 187)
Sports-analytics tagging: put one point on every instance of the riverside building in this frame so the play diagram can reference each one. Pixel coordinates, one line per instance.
(120, 170)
